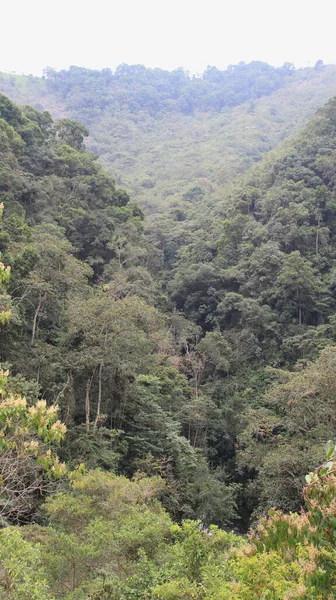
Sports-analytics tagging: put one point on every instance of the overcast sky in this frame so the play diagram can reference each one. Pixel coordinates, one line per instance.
(164, 33)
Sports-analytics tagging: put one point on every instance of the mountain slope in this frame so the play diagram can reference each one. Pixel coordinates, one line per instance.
(260, 271)
(160, 133)
(247, 286)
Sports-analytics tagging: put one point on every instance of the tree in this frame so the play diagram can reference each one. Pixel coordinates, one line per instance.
(28, 464)
(298, 288)
(5, 312)
(211, 352)
(113, 341)
(99, 530)
(284, 436)
(290, 555)
(22, 574)
(71, 133)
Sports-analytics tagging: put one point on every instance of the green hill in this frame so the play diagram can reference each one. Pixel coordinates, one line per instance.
(182, 365)
(160, 133)
(206, 395)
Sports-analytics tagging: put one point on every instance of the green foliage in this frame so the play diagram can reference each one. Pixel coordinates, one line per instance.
(96, 448)
(287, 556)
(104, 523)
(5, 313)
(147, 393)
(22, 574)
(284, 437)
(109, 539)
(161, 91)
(205, 130)
(84, 327)
(71, 133)
(192, 357)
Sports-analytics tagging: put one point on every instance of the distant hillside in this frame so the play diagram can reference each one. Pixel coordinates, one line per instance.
(164, 132)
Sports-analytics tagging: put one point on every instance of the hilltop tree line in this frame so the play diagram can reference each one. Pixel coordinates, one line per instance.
(136, 87)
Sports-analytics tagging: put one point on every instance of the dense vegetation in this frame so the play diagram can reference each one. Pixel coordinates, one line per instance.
(259, 272)
(84, 330)
(164, 382)
(160, 133)
(158, 91)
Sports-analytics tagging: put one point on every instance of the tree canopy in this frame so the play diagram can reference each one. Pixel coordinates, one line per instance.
(165, 380)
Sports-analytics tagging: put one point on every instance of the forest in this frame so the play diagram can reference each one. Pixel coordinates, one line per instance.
(168, 334)
(161, 133)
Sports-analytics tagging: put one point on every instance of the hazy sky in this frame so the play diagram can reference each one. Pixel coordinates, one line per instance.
(164, 33)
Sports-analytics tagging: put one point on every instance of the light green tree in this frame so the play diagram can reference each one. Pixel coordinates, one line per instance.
(5, 312)
(22, 574)
(28, 464)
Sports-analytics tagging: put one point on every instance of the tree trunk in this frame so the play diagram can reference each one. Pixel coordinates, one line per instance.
(199, 370)
(36, 315)
(317, 236)
(87, 402)
(99, 395)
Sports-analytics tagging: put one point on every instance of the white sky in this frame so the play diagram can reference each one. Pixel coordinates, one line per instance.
(164, 33)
